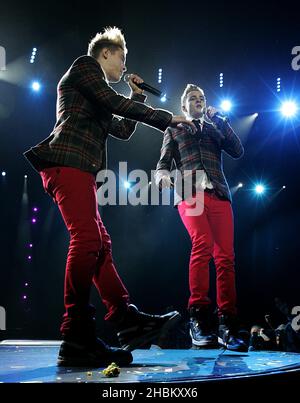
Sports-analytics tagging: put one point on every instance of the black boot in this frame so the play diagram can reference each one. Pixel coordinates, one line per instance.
(82, 348)
(91, 353)
(201, 327)
(228, 334)
(136, 329)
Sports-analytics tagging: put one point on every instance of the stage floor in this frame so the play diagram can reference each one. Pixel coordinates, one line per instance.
(35, 362)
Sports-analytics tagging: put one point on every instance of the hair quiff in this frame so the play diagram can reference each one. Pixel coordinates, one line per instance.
(111, 37)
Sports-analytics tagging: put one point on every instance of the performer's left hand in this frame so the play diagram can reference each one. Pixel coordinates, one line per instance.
(211, 111)
(133, 80)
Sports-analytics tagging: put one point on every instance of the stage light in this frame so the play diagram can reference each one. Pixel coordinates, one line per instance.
(29, 257)
(33, 220)
(159, 76)
(163, 98)
(35, 86)
(30, 245)
(25, 176)
(24, 297)
(289, 109)
(283, 187)
(221, 82)
(255, 115)
(3, 173)
(259, 189)
(278, 84)
(126, 185)
(26, 284)
(35, 209)
(240, 185)
(226, 105)
(33, 54)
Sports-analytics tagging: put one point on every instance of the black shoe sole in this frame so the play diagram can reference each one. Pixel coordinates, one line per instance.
(203, 344)
(147, 338)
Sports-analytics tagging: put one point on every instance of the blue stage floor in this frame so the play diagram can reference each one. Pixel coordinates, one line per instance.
(35, 361)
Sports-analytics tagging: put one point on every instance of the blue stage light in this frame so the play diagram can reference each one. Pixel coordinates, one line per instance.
(35, 86)
(289, 109)
(226, 105)
(126, 185)
(163, 98)
(259, 189)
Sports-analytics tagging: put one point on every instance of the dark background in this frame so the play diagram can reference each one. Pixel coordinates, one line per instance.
(191, 42)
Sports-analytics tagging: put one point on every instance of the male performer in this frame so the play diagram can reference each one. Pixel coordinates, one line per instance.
(199, 157)
(68, 161)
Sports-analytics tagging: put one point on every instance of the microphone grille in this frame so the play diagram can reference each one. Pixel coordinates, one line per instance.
(126, 77)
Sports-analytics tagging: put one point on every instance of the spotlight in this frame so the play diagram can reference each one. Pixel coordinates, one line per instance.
(259, 189)
(278, 84)
(283, 187)
(289, 108)
(240, 185)
(126, 185)
(226, 105)
(255, 115)
(221, 80)
(25, 176)
(159, 76)
(163, 98)
(3, 173)
(35, 86)
(33, 220)
(33, 54)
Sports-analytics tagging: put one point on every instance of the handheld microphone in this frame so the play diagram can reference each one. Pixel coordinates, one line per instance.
(217, 115)
(145, 87)
(222, 117)
(209, 121)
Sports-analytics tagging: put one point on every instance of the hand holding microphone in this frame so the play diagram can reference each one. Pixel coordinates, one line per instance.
(211, 112)
(137, 84)
(134, 81)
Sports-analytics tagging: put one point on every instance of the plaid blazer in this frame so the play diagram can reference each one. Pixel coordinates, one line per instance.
(85, 108)
(202, 150)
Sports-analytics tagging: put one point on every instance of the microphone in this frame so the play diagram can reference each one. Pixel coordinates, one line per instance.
(217, 115)
(208, 120)
(222, 117)
(145, 87)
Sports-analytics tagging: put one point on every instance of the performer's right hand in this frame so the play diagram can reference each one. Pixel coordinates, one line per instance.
(182, 122)
(165, 182)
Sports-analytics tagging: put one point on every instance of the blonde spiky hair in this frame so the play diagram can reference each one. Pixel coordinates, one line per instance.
(111, 38)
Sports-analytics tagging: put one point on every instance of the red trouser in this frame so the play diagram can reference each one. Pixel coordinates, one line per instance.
(90, 256)
(211, 234)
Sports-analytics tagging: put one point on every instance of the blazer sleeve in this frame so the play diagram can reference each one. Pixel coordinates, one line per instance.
(166, 152)
(124, 128)
(231, 143)
(88, 78)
